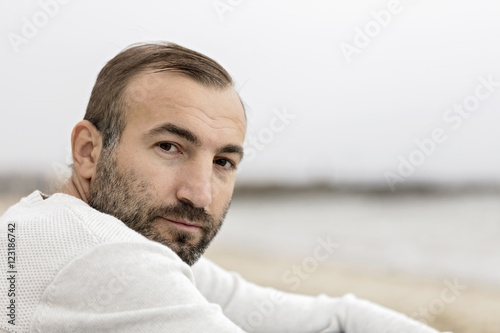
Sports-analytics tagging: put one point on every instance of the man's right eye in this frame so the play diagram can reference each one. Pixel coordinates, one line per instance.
(168, 147)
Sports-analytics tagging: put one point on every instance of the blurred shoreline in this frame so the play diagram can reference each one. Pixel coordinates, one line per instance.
(13, 183)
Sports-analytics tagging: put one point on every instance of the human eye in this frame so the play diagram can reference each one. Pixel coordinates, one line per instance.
(225, 163)
(168, 147)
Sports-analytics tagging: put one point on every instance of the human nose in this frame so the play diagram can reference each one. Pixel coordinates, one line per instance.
(195, 187)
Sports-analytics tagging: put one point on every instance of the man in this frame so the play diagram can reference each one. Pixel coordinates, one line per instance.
(118, 248)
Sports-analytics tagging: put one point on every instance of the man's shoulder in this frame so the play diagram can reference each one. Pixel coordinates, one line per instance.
(50, 232)
(64, 217)
(50, 236)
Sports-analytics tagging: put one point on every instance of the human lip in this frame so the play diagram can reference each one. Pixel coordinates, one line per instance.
(185, 224)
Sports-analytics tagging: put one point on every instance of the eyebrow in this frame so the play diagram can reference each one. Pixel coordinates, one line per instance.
(191, 137)
(175, 130)
(233, 149)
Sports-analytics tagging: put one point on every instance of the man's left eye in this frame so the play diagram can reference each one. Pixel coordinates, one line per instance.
(224, 163)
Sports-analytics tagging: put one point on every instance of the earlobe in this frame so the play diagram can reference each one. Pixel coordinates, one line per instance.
(86, 145)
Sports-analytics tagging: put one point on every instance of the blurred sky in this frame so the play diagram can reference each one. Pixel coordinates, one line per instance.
(336, 91)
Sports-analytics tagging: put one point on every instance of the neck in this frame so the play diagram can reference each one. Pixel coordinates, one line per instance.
(75, 187)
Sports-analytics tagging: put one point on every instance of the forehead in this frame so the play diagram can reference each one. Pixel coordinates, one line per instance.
(153, 98)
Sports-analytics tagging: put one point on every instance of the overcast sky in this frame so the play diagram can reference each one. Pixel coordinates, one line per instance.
(337, 91)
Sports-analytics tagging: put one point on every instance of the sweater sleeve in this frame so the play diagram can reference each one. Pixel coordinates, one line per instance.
(127, 287)
(258, 309)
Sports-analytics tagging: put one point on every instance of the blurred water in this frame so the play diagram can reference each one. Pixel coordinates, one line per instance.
(456, 236)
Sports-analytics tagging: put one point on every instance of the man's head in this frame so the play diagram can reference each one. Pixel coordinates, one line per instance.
(160, 143)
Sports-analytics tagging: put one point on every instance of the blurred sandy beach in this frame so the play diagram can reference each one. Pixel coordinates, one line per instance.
(434, 257)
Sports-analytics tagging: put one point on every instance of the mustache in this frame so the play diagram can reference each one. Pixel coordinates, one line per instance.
(184, 211)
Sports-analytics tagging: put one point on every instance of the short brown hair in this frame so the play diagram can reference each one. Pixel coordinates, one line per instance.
(107, 100)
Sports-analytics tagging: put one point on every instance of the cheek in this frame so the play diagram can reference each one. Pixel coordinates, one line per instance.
(156, 180)
(162, 186)
(222, 193)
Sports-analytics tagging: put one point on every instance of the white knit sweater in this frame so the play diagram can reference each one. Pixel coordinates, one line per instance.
(79, 270)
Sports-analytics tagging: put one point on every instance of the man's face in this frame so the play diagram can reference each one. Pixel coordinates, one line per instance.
(172, 175)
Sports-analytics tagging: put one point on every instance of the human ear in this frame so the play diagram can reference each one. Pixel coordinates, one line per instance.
(86, 146)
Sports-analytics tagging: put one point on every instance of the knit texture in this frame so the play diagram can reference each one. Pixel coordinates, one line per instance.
(49, 234)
